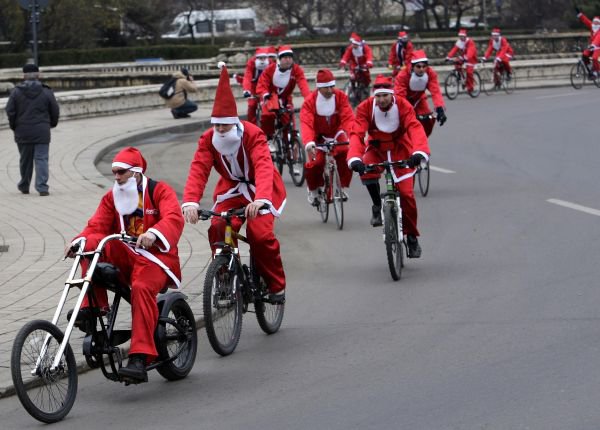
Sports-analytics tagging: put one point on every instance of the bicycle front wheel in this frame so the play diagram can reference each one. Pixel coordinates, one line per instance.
(393, 243)
(578, 73)
(46, 394)
(279, 155)
(451, 86)
(296, 160)
(509, 83)
(337, 197)
(324, 199)
(487, 81)
(423, 174)
(476, 85)
(222, 303)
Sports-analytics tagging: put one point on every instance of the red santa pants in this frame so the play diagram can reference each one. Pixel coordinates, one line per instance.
(264, 244)
(423, 108)
(469, 68)
(313, 169)
(405, 187)
(146, 278)
(267, 118)
(595, 55)
(252, 104)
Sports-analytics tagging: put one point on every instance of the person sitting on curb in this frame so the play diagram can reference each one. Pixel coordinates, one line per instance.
(180, 105)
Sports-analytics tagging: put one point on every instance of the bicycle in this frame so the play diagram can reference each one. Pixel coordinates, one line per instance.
(332, 193)
(43, 366)
(357, 89)
(393, 236)
(287, 147)
(497, 79)
(457, 78)
(582, 72)
(229, 288)
(423, 172)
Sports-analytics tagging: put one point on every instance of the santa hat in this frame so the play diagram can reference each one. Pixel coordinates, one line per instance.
(285, 50)
(325, 78)
(596, 20)
(419, 56)
(403, 35)
(355, 38)
(383, 84)
(462, 32)
(272, 51)
(225, 109)
(130, 158)
(496, 32)
(261, 52)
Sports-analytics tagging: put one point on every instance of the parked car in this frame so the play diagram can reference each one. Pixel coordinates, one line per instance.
(279, 30)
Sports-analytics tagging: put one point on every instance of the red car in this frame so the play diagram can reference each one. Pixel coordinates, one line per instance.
(278, 30)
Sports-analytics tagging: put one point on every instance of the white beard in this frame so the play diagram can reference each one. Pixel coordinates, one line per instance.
(460, 44)
(261, 65)
(418, 83)
(228, 143)
(325, 106)
(497, 43)
(388, 121)
(126, 196)
(357, 51)
(281, 79)
(595, 27)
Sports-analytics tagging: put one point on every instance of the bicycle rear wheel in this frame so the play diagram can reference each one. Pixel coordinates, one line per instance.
(476, 85)
(423, 174)
(393, 244)
(509, 84)
(487, 81)
(47, 395)
(337, 197)
(296, 160)
(578, 75)
(451, 86)
(279, 155)
(222, 303)
(268, 315)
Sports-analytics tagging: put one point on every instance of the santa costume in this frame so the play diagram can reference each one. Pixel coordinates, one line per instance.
(400, 54)
(254, 68)
(504, 51)
(358, 55)
(466, 51)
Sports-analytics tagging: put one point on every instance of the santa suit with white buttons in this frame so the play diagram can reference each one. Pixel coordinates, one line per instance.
(330, 118)
(466, 51)
(393, 135)
(358, 55)
(254, 68)
(504, 51)
(242, 159)
(594, 40)
(400, 54)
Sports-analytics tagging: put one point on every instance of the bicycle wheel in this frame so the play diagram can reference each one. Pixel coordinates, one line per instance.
(337, 197)
(279, 155)
(268, 315)
(509, 85)
(451, 86)
(597, 82)
(476, 85)
(324, 199)
(177, 345)
(487, 81)
(296, 160)
(258, 114)
(47, 395)
(424, 173)
(393, 244)
(578, 75)
(222, 305)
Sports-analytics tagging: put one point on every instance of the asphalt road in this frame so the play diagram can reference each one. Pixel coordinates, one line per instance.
(495, 327)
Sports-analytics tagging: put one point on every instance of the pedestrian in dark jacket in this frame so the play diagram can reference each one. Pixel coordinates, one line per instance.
(32, 111)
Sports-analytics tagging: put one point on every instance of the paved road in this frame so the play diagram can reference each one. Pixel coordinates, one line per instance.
(496, 327)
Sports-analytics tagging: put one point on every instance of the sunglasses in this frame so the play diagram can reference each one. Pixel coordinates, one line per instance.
(120, 172)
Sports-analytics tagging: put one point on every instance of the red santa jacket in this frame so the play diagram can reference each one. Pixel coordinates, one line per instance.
(163, 218)
(266, 86)
(402, 88)
(402, 58)
(588, 23)
(468, 53)
(251, 75)
(364, 61)
(502, 47)
(406, 140)
(312, 125)
(256, 178)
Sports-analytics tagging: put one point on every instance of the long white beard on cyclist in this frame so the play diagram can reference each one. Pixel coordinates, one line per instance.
(325, 106)
(357, 51)
(281, 79)
(261, 65)
(126, 196)
(461, 44)
(497, 44)
(595, 28)
(387, 121)
(228, 143)
(418, 83)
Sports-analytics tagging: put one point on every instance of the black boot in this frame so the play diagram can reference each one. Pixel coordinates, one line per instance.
(376, 220)
(414, 249)
(135, 371)
(86, 319)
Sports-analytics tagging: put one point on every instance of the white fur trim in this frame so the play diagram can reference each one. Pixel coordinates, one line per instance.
(224, 120)
(194, 204)
(221, 64)
(287, 51)
(383, 91)
(352, 160)
(419, 60)
(326, 84)
(424, 154)
(127, 166)
(162, 238)
(310, 145)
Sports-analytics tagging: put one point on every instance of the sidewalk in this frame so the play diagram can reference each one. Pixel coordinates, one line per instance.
(36, 229)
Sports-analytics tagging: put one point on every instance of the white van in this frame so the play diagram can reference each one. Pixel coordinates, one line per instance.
(224, 22)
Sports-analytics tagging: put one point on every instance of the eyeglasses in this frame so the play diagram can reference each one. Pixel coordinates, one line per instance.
(120, 172)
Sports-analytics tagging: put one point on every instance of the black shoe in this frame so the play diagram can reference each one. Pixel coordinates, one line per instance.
(135, 371)
(376, 220)
(508, 77)
(277, 298)
(23, 191)
(44, 193)
(414, 249)
(85, 319)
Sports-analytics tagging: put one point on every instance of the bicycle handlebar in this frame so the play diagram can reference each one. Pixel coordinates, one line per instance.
(430, 115)
(387, 164)
(331, 144)
(206, 214)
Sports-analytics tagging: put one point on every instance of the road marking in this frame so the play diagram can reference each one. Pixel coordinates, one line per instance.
(439, 169)
(575, 206)
(553, 96)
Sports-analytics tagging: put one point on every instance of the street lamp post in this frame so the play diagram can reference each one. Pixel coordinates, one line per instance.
(34, 7)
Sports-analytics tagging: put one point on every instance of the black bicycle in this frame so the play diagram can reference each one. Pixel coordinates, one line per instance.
(287, 147)
(43, 366)
(229, 288)
(498, 78)
(456, 81)
(582, 71)
(423, 174)
(357, 89)
(332, 193)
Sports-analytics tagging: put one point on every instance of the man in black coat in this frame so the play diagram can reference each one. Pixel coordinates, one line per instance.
(32, 111)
